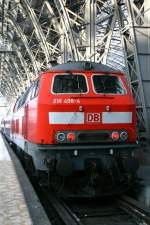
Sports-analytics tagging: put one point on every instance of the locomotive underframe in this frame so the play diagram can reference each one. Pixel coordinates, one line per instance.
(43, 155)
(88, 168)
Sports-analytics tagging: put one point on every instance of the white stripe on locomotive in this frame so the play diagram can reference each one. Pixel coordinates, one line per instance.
(78, 117)
(66, 118)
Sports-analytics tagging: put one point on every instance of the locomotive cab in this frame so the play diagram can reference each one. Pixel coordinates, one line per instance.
(105, 113)
(86, 107)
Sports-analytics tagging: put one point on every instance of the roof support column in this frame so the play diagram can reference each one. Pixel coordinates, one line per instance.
(90, 21)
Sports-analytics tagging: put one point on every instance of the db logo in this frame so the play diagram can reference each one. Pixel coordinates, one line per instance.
(93, 117)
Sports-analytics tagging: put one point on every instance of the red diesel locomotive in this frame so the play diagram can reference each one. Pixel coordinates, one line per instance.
(77, 122)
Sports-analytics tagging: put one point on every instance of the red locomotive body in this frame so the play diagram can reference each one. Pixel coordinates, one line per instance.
(78, 117)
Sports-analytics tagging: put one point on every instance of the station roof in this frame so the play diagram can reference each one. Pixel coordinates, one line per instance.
(32, 33)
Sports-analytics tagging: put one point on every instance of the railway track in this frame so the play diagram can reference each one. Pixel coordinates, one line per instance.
(124, 211)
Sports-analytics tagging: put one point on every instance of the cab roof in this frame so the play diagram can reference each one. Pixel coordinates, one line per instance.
(79, 66)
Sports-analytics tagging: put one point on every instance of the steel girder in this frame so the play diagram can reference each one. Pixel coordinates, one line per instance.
(39, 32)
(24, 40)
(65, 20)
(135, 33)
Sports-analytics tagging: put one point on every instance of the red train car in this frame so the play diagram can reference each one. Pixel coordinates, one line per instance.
(78, 121)
(6, 124)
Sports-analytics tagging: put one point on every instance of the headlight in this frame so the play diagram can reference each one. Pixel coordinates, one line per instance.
(60, 137)
(123, 135)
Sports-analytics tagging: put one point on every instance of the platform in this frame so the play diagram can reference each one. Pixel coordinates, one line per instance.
(19, 205)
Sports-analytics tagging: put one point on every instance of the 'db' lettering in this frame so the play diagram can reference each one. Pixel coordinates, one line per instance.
(93, 117)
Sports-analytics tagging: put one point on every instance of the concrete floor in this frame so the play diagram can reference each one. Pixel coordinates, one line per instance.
(19, 203)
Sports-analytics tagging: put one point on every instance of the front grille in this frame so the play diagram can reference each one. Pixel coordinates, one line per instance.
(93, 137)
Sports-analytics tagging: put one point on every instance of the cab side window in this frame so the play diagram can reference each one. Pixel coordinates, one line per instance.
(35, 89)
(30, 93)
(20, 102)
(25, 96)
(23, 99)
(17, 104)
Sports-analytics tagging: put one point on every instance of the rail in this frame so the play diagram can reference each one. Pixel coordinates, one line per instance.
(67, 216)
(134, 208)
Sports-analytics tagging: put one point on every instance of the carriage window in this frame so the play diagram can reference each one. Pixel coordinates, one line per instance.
(70, 83)
(107, 84)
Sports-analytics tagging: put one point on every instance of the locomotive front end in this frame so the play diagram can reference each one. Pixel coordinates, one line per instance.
(90, 138)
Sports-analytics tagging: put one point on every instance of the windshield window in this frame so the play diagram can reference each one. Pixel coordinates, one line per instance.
(70, 83)
(107, 84)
